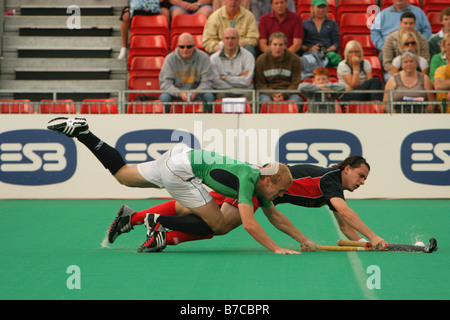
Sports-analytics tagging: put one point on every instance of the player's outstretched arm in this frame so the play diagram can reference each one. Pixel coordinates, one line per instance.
(257, 232)
(353, 220)
(282, 223)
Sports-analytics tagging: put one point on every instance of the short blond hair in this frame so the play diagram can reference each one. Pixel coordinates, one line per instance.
(351, 44)
(277, 172)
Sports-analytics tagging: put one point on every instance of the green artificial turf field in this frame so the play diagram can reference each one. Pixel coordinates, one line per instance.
(51, 249)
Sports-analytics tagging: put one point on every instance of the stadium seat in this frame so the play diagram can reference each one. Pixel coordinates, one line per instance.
(305, 6)
(377, 70)
(58, 106)
(137, 82)
(365, 41)
(144, 107)
(355, 23)
(194, 107)
(16, 106)
(96, 106)
(388, 3)
(352, 6)
(218, 107)
(434, 17)
(147, 45)
(435, 5)
(146, 66)
(150, 25)
(198, 40)
(365, 108)
(287, 107)
(192, 23)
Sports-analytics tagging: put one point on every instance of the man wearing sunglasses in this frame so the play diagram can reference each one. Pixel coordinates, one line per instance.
(186, 74)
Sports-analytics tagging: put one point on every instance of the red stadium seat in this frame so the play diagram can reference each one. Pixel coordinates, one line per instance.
(192, 23)
(352, 6)
(377, 71)
(194, 107)
(355, 23)
(365, 41)
(434, 17)
(150, 25)
(16, 106)
(218, 107)
(144, 107)
(137, 82)
(147, 45)
(198, 40)
(99, 106)
(58, 106)
(365, 108)
(146, 66)
(435, 5)
(287, 107)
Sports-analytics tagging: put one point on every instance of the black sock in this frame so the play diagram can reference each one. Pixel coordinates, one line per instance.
(189, 223)
(107, 155)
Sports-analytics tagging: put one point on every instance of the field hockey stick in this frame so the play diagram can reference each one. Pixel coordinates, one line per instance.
(429, 248)
(343, 248)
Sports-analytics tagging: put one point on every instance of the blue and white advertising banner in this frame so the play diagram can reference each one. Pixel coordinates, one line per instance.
(409, 155)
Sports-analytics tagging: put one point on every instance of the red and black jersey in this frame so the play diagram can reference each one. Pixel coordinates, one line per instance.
(313, 186)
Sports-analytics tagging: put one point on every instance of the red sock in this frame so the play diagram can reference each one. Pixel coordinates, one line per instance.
(164, 209)
(175, 237)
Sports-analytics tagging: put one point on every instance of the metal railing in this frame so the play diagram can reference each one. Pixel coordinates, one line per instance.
(123, 104)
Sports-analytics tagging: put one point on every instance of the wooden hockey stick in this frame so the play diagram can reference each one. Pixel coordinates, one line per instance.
(429, 248)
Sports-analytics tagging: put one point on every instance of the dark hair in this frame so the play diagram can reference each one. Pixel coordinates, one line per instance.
(353, 161)
(408, 14)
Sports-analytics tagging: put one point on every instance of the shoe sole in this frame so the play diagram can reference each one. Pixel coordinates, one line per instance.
(62, 126)
(114, 226)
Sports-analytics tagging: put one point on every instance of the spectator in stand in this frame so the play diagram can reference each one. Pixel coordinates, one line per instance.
(278, 69)
(219, 3)
(409, 42)
(190, 7)
(231, 15)
(387, 21)
(393, 47)
(442, 58)
(442, 82)
(321, 82)
(262, 7)
(407, 85)
(435, 41)
(186, 69)
(356, 74)
(233, 67)
(321, 33)
(125, 21)
(281, 19)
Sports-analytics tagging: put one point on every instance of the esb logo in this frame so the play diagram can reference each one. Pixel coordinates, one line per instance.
(425, 157)
(323, 147)
(148, 145)
(36, 157)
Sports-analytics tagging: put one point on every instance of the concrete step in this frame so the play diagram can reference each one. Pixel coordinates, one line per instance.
(16, 22)
(12, 42)
(62, 74)
(63, 85)
(64, 53)
(9, 65)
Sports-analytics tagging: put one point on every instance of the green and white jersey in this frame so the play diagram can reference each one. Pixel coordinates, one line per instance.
(227, 176)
